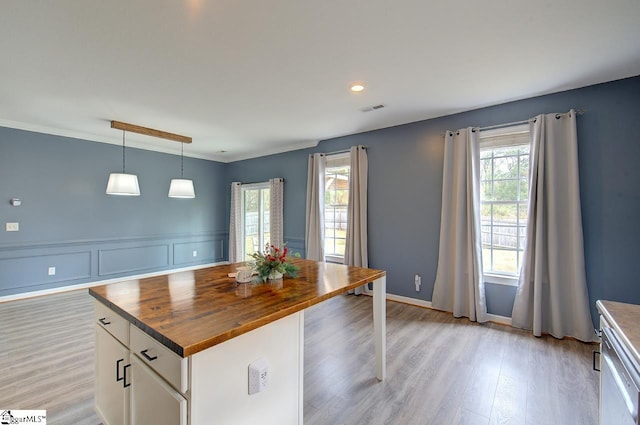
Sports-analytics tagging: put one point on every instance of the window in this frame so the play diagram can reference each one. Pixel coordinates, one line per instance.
(255, 218)
(335, 205)
(504, 187)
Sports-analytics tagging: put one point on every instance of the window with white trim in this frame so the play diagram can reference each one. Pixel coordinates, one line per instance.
(504, 189)
(255, 218)
(336, 193)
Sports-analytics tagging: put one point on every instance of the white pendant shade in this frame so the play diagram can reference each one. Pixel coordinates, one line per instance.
(181, 188)
(123, 184)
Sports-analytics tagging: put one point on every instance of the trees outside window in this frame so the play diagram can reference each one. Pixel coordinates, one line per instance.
(335, 206)
(504, 187)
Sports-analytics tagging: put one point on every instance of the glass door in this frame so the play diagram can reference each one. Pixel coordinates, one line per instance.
(255, 216)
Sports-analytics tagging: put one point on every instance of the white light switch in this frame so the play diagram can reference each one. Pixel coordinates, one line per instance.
(12, 227)
(52, 271)
(195, 253)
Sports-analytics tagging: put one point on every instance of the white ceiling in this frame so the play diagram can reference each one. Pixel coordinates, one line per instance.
(255, 77)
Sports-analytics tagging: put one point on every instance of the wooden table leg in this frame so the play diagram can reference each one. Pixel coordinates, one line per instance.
(380, 325)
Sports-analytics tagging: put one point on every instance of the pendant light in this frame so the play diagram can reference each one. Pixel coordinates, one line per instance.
(181, 188)
(121, 183)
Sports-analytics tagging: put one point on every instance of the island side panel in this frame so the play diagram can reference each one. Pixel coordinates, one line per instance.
(301, 369)
(380, 325)
(219, 386)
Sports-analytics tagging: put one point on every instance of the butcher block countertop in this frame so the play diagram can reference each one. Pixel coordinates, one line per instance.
(193, 310)
(625, 319)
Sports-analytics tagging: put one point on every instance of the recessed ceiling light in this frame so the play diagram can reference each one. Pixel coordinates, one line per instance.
(356, 87)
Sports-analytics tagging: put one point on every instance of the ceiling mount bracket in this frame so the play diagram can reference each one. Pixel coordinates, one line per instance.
(150, 132)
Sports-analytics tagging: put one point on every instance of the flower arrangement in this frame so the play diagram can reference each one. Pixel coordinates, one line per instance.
(273, 264)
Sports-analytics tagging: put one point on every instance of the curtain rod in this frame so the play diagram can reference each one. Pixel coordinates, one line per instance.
(341, 151)
(509, 124)
(263, 182)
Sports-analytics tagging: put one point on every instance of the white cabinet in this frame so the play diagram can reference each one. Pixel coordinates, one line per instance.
(112, 364)
(142, 382)
(173, 368)
(112, 322)
(153, 401)
(127, 391)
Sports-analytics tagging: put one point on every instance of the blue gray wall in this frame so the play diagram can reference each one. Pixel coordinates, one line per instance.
(68, 222)
(405, 185)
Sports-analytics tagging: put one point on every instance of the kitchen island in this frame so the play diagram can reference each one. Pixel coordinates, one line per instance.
(179, 345)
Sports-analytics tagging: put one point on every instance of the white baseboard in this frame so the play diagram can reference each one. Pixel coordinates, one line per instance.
(503, 320)
(407, 300)
(25, 295)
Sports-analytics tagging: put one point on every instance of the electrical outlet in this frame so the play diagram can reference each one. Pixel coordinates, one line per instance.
(258, 376)
(418, 281)
(12, 227)
(194, 253)
(52, 271)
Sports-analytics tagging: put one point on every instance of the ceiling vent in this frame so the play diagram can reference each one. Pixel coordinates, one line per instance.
(372, 108)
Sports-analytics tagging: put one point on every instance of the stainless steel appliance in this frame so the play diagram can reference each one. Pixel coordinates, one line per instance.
(619, 382)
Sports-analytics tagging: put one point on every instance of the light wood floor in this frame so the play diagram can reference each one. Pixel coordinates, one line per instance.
(47, 352)
(440, 370)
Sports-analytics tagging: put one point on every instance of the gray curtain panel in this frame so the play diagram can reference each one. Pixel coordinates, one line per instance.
(235, 223)
(356, 252)
(459, 285)
(276, 214)
(314, 226)
(552, 293)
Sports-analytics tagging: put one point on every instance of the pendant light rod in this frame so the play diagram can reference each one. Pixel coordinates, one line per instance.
(150, 132)
(123, 151)
(181, 159)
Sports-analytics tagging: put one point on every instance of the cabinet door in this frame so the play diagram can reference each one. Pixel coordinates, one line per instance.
(153, 401)
(112, 398)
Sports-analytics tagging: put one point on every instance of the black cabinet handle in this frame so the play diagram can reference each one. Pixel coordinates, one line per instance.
(104, 321)
(118, 377)
(594, 352)
(124, 377)
(148, 357)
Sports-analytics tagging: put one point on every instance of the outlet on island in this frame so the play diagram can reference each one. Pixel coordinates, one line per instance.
(258, 376)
